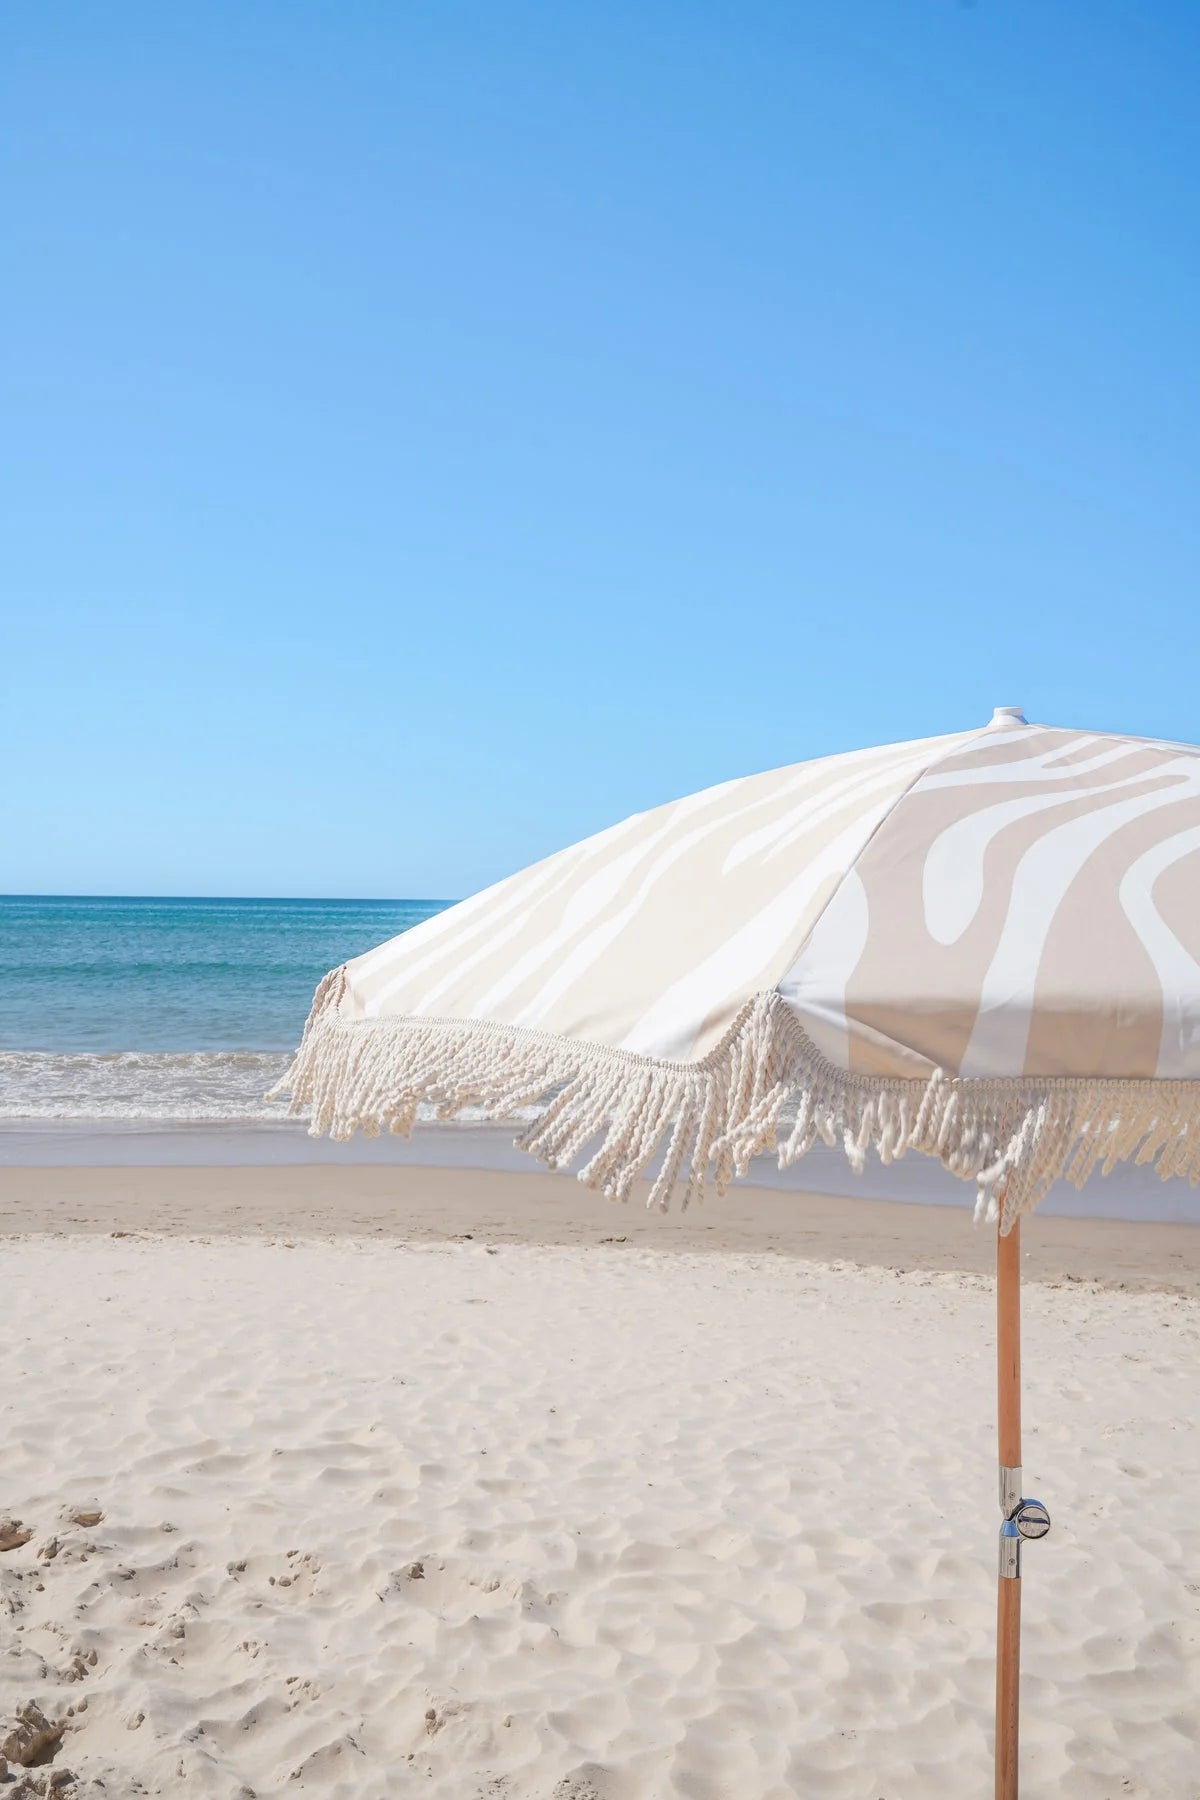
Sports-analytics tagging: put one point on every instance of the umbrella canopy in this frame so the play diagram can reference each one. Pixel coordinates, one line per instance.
(984, 946)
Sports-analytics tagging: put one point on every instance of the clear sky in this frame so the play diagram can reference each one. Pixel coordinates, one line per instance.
(434, 431)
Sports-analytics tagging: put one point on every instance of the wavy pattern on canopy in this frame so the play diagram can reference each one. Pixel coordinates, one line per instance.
(984, 946)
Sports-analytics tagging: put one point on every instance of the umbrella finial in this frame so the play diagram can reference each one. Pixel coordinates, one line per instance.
(1006, 716)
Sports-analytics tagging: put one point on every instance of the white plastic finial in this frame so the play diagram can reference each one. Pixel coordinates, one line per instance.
(1009, 715)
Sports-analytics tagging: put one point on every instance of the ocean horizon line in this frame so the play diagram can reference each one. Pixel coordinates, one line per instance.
(249, 899)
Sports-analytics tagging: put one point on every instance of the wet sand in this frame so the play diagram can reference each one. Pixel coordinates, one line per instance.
(423, 1205)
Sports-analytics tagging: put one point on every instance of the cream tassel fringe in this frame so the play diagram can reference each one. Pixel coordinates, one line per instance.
(765, 1087)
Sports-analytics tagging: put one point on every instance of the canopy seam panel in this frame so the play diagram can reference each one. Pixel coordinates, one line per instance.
(965, 739)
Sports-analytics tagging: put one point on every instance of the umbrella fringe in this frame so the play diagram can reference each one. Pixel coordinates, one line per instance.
(1012, 1138)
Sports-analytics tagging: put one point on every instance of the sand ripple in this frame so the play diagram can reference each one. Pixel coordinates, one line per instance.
(555, 1524)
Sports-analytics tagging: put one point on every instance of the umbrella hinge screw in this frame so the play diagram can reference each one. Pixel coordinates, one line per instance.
(1027, 1521)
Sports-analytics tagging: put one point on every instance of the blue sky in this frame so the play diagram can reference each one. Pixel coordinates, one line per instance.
(434, 431)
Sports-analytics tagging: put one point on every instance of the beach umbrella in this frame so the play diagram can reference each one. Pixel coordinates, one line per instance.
(984, 947)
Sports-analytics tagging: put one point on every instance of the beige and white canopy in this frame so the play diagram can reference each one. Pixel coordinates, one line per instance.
(984, 946)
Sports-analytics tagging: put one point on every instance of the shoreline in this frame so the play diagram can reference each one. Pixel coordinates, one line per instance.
(414, 1204)
(1131, 1192)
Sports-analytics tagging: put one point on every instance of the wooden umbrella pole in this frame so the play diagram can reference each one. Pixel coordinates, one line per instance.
(1008, 1598)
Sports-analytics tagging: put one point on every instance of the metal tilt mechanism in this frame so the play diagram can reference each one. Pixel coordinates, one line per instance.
(1022, 1518)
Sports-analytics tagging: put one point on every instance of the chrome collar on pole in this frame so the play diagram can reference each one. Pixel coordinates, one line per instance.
(1023, 1518)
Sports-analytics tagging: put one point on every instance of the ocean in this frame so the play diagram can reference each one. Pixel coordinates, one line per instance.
(125, 1022)
(132, 1011)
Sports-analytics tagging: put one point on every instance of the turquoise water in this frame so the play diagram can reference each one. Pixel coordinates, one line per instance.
(166, 1009)
(159, 1014)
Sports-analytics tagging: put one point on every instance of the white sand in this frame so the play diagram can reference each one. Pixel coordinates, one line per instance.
(583, 1524)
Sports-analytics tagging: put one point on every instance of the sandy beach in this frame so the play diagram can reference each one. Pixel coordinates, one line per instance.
(369, 1482)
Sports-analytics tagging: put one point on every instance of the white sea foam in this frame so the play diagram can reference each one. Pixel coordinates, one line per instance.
(195, 1087)
(187, 1087)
